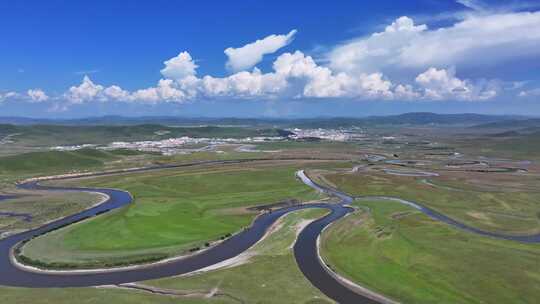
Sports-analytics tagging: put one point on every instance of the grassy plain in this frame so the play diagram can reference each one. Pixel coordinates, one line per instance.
(42, 207)
(394, 249)
(31, 164)
(268, 275)
(519, 146)
(512, 212)
(92, 295)
(174, 210)
(405, 255)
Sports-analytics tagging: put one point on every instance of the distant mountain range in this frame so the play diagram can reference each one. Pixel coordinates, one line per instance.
(512, 124)
(529, 128)
(417, 118)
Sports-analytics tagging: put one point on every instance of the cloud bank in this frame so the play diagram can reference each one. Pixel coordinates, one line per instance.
(476, 40)
(364, 68)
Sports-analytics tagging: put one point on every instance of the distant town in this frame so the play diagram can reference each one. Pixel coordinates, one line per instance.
(186, 144)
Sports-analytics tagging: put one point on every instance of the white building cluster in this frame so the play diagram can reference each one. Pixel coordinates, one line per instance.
(326, 134)
(73, 147)
(171, 146)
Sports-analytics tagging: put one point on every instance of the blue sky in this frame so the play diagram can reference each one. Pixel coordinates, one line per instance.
(268, 58)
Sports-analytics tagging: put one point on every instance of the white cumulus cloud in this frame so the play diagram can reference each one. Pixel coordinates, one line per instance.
(166, 90)
(441, 84)
(247, 56)
(115, 92)
(477, 39)
(37, 95)
(297, 75)
(86, 91)
(321, 81)
(179, 67)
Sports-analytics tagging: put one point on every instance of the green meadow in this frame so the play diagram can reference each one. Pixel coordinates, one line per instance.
(43, 207)
(269, 274)
(51, 162)
(512, 212)
(174, 211)
(398, 251)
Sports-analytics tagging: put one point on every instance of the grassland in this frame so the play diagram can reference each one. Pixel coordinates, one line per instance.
(42, 207)
(37, 162)
(94, 296)
(512, 212)
(497, 143)
(174, 211)
(326, 146)
(268, 274)
(393, 249)
(405, 255)
(54, 162)
(32, 164)
(53, 135)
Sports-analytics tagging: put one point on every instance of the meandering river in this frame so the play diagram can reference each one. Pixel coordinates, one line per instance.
(305, 248)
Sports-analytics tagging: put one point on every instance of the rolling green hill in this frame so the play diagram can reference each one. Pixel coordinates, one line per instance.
(50, 135)
(511, 124)
(56, 161)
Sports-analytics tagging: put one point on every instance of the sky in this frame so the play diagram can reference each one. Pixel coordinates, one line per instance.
(62, 59)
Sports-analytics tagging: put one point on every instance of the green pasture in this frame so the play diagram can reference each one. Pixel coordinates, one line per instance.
(175, 210)
(398, 251)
